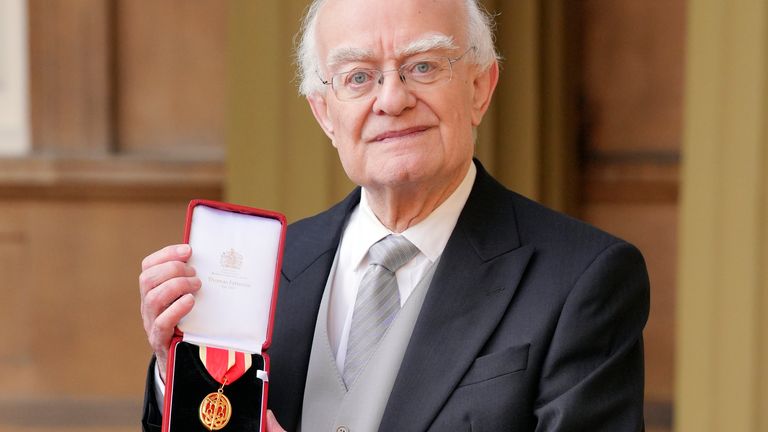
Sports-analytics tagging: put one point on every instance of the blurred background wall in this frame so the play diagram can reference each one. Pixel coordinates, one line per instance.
(643, 117)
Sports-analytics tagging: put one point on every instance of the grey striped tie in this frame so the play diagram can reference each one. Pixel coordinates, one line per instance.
(377, 303)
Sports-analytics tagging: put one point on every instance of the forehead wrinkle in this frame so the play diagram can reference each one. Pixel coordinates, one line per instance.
(425, 44)
(348, 54)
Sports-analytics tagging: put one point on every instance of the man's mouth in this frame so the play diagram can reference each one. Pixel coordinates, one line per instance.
(400, 133)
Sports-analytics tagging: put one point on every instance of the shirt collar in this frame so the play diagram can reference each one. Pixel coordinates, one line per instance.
(430, 235)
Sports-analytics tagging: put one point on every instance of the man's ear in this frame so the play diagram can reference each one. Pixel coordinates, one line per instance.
(484, 86)
(320, 111)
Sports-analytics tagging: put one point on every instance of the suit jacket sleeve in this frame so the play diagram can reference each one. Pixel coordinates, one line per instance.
(152, 418)
(592, 377)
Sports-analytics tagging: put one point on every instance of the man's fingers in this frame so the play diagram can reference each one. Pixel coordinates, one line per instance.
(165, 295)
(162, 327)
(166, 285)
(180, 252)
(159, 273)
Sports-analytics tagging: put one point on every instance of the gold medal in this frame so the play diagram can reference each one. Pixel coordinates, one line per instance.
(215, 410)
(225, 366)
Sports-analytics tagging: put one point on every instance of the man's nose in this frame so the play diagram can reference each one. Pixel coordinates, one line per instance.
(393, 95)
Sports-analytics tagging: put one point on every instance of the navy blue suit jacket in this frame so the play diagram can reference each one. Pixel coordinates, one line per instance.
(533, 322)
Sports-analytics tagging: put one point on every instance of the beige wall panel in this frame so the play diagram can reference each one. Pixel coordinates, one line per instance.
(308, 151)
(70, 93)
(256, 88)
(633, 57)
(171, 76)
(762, 403)
(16, 305)
(723, 218)
(561, 77)
(78, 290)
(485, 145)
(528, 137)
(281, 158)
(516, 156)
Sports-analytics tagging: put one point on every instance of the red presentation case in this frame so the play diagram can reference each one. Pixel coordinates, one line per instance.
(243, 279)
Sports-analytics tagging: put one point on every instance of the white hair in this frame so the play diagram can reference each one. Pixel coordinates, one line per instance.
(480, 28)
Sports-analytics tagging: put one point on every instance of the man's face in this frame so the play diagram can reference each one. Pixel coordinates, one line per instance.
(396, 138)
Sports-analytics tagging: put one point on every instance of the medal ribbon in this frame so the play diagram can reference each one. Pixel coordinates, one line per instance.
(225, 366)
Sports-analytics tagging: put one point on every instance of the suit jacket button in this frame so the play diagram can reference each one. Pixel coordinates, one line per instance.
(342, 429)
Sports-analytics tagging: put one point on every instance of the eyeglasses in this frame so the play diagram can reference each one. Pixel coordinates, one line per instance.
(421, 74)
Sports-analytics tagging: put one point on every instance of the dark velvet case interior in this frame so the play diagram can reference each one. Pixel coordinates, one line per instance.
(192, 383)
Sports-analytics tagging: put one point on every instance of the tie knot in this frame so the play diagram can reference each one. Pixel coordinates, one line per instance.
(392, 252)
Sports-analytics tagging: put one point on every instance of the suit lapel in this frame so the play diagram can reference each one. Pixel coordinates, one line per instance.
(476, 279)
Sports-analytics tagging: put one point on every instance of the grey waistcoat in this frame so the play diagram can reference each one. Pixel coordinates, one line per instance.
(328, 404)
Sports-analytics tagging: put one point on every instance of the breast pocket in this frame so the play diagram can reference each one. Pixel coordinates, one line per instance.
(496, 364)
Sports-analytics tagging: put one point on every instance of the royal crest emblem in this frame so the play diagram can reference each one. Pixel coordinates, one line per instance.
(231, 259)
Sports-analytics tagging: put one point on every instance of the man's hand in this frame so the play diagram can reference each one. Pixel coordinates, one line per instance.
(167, 284)
(272, 424)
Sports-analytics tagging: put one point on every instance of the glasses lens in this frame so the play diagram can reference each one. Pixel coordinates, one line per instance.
(427, 71)
(355, 83)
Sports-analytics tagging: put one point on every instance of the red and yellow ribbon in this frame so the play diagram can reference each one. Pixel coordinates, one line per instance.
(225, 364)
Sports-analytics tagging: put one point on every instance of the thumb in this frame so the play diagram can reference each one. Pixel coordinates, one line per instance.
(272, 424)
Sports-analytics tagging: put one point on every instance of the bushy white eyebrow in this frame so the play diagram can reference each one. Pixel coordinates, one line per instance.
(348, 54)
(434, 42)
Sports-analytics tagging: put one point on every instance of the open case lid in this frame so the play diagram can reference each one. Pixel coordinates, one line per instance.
(237, 253)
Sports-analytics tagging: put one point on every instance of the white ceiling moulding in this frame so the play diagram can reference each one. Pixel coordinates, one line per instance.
(14, 94)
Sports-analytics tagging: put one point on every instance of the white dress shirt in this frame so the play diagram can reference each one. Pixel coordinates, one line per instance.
(363, 230)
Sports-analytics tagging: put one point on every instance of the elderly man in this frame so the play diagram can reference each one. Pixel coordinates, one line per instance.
(495, 314)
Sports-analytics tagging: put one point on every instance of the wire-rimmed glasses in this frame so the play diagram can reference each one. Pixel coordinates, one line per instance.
(419, 74)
